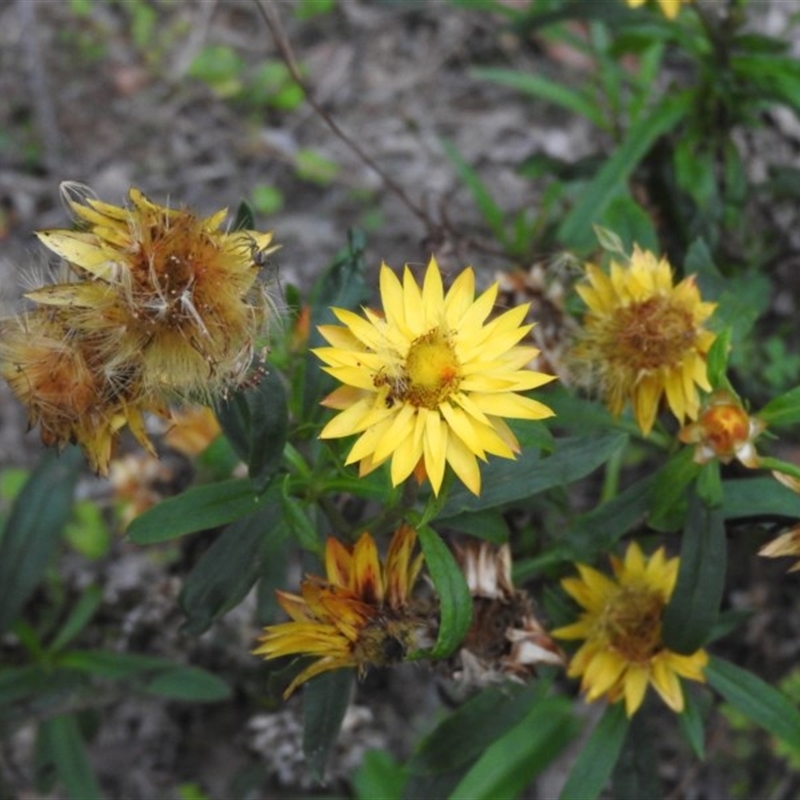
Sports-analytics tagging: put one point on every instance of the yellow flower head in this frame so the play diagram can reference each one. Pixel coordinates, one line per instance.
(643, 338)
(68, 388)
(669, 7)
(361, 615)
(621, 624)
(428, 382)
(165, 289)
(724, 431)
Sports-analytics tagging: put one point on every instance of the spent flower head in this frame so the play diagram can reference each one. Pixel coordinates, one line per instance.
(69, 389)
(429, 381)
(165, 289)
(623, 651)
(644, 338)
(361, 615)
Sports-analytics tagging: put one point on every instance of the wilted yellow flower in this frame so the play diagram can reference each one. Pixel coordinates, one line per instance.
(67, 387)
(429, 382)
(166, 290)
(643, 338)
(669, 7)
(361, 615)
(724, 431)
(621, 624)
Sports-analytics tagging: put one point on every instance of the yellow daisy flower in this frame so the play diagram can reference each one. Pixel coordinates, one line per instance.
(361, 615)
(643, 338)
(670, 8)
(166, 289)
(429, 382)
(621, 625)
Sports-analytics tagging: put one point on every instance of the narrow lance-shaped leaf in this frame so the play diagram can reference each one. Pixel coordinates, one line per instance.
(325, 702)
(694, 606)
(512, 761)
(196, 509)
(455, 600)
(65, 746)
(756, 699)
(597, 758)
(256, 421)
(576, 229)
(226, 572)
(32, 531)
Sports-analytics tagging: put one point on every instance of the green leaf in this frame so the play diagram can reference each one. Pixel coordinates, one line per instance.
(634, 777)
(189, 683)
(112, 666)
(597, 758)
(668, 507)
(782, 410)
(709, 484)
(87, 531)
(196, 509)
(379, 776)
(81, 614)
(33, 528)
(314, 167)
(66, 748)
(491, 212)
(325, 702)
(553, 91)
(631, 223)
(228, 569)
(467, 732)
(758, 497)
(576, 229)
(509, 764)
(245, 219)
(756, 699)
(504, 480)
(299, 524)
(690, 721)
(455, 600)
(717, 364)
(598, 530)
(488, 524)
(256, 421)
(694, 606)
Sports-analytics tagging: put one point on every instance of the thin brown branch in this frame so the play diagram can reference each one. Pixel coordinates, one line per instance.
(272, 19)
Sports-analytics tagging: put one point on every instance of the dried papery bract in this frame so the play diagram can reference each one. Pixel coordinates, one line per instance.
(623, 653)
(506, 640)
(169, 290)
(429, 382)
(67, 388)
(644, 339)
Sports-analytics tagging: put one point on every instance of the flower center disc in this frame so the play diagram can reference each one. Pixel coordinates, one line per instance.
(632, 623)
(652, 334)
(432, 370)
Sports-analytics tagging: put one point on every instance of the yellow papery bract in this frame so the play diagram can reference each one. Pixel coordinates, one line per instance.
(436, 378)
